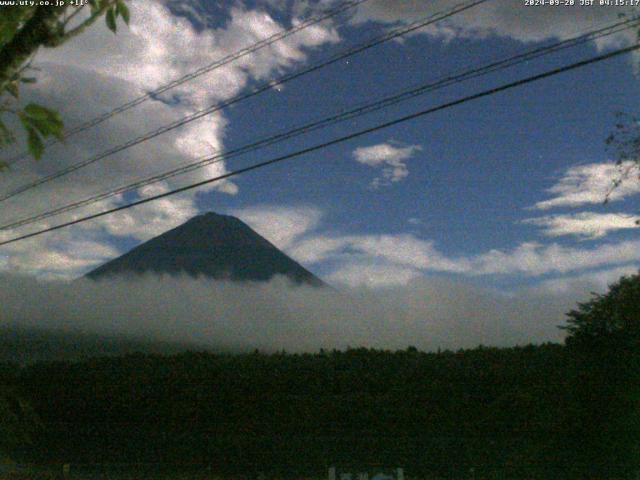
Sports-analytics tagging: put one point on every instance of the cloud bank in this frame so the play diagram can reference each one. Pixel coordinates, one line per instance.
(589, 225)
(590, 184)
(426, 313)
(386, 259)
(502, 18)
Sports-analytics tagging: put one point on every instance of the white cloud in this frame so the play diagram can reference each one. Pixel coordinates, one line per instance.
(586, 282)
(352, 259)
(111, 69)
(275, 315)
(384, 259)
(505, 18)
(98, 71)
(414, 254)
(534, 259)
(590, 184)
(406, 249)
(398, 250)
(390, 158)
(282, 226)
(159, 47)
(317, 248)
(359, 259)
(585, 224)
(373, 275)
(62, 254)
(150, 219)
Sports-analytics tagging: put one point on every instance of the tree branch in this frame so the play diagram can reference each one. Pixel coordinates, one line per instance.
(70, 17)
(35, 32)
(87, 23)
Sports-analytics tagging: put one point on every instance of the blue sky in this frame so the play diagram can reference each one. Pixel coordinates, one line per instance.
(456, 194)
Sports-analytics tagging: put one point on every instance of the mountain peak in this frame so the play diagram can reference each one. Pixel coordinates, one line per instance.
(210, 245)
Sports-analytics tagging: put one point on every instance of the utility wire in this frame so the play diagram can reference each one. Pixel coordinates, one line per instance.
(340, 117)
(413, 116)
(201, 71)
(264, 87)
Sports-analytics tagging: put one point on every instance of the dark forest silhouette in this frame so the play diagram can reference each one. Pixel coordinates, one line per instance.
(546, 411)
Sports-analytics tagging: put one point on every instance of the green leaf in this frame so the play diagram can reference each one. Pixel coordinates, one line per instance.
(46, 122)
(34, 142)
(123, 10)
(3, 165)
(11, 19)
(28, 80)
(35, 110)
(111, 19)
(40, 122)
(42, 126)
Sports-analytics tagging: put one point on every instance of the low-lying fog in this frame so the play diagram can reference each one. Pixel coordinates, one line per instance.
(428, 314)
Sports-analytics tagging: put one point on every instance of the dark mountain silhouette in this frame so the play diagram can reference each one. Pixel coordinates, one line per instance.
(211, 245)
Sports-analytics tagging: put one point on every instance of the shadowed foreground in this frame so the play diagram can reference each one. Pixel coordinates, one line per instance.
(511, 412)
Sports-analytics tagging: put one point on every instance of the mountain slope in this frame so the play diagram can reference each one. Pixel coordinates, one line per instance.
(211, 245)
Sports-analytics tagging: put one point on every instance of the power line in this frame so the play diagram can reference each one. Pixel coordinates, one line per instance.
(367, 108)
(413, 116)
(342, 116)
(264, 87)
(201, 71)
